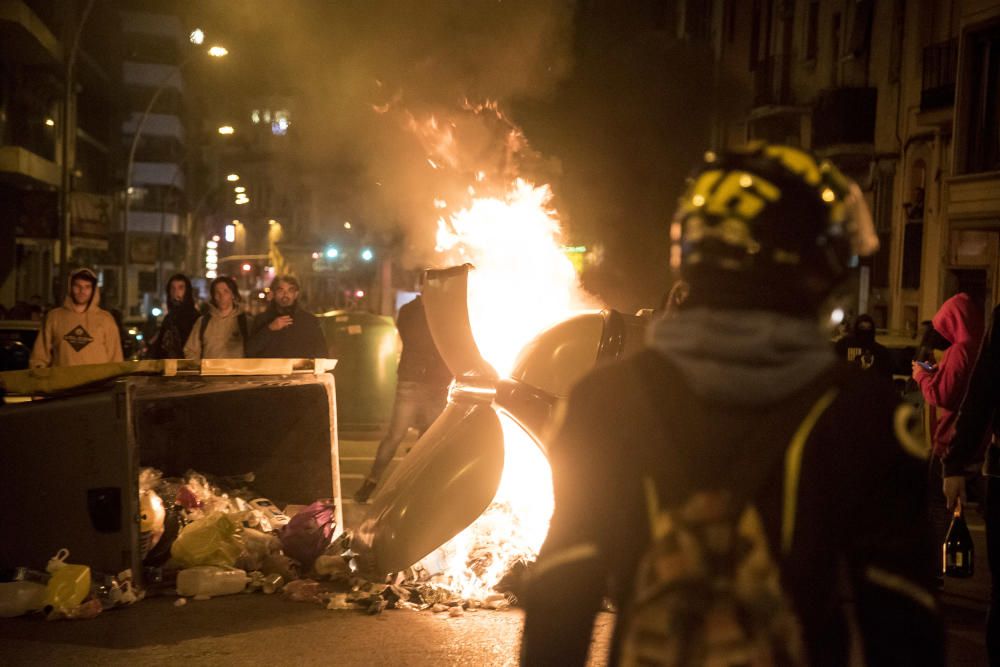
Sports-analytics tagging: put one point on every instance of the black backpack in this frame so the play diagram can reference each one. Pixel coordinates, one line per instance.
(707, 590)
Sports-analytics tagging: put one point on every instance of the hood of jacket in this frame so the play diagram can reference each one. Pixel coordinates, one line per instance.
(95, 299)
(959, 320)
(743, 357)
(188, 302)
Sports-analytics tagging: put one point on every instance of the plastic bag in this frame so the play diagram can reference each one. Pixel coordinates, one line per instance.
(212, 540)
(309, 532)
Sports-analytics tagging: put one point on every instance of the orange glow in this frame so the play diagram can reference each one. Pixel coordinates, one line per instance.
(523, 282)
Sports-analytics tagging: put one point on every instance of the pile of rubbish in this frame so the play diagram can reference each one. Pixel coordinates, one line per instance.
(204, 537)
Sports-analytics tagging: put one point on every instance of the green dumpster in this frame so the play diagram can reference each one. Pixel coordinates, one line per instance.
(366, 347)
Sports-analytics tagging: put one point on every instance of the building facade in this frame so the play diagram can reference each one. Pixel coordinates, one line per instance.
(60, 87)
(902, 95)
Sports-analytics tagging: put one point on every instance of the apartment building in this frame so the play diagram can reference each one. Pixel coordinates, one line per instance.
(900, 94)
(59, 90)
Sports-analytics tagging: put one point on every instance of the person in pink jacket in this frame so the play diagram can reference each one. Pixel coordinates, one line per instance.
(960, 322)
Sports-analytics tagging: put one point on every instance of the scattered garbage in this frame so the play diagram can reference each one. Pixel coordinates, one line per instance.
(205, 536)
(309, 532)
(21, 597)
(69, 585)
(211, 580)
(211, 540)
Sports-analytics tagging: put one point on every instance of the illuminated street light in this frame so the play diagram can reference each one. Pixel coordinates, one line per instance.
(360, 294)
(239, 189)
(226, 129)
(247, 266)
(367, 254)
(218, 51)
(197, 36)
(347, 225)
(230, 233)
(273, 222)
(332, 253)
(232, 178)
(50, 122)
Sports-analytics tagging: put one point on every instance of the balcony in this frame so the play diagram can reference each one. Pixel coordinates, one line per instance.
(940, 66)
(24, 37)
(844, 117)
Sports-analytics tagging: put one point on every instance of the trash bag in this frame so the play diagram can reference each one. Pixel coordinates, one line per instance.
(309, 532)
(212, 540)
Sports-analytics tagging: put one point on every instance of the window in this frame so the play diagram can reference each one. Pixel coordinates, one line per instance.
(982, 141)
(913, 229)
(812, 30)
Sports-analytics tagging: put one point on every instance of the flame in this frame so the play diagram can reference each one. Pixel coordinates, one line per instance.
(523, 282)
(511, 530)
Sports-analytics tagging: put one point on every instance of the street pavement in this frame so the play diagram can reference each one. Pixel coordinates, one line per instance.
(270, 630)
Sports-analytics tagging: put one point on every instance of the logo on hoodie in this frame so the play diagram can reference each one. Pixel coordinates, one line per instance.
(78, 338)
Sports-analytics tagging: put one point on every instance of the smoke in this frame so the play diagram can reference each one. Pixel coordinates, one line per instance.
(369, 75)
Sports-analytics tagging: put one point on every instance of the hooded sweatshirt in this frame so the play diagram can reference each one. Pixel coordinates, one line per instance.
(960, 321)
(177, 325)
(69, 338)
(223, 337)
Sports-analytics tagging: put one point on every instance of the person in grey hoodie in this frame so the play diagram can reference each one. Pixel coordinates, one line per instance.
(222, 332)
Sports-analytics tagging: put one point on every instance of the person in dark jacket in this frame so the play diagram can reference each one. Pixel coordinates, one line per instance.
(285, 330)
(739, 399)
(859, 347)
(168, 343)
(422, 381)
(978, 424)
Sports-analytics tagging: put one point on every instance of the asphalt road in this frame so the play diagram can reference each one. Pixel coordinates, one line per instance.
(269, 630)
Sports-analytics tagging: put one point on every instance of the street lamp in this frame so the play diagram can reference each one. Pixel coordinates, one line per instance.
(232, 178)
(226, 129)
(197, 37)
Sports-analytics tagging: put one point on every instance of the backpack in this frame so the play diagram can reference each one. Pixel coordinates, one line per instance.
(706, 590)
(241, 322)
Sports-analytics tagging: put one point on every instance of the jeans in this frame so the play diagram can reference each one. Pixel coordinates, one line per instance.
(417, 404)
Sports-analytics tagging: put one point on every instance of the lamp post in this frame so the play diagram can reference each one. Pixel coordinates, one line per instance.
(197, 37)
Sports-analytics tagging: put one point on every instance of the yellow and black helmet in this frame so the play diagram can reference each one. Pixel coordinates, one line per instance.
(769, 227)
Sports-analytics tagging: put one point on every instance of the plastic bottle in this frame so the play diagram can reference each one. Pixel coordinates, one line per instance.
(20, 597)
(211, 581)
(69, 584)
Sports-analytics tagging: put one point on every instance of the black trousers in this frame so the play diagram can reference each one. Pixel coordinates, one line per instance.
(992, 517)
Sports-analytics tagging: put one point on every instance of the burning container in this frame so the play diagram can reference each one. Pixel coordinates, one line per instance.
(457, 468)
(71, 463)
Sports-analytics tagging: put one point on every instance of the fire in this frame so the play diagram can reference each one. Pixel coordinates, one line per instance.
(523, 282)
(512, 528)
(507, 227)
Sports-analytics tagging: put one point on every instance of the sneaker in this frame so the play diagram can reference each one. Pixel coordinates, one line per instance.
(364, 493)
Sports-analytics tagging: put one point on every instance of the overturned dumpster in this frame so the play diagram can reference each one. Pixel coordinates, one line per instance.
(73, 459)
(455, 475)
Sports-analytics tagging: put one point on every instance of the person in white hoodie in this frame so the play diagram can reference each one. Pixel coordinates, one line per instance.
(80, 331)
(222, 332)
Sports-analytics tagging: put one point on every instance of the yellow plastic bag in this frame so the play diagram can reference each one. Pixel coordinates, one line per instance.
(211, 540)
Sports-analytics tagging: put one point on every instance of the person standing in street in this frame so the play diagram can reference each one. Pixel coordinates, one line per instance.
(958, 323)
(422, 383)
(168, 343)
(978, 424)
(859, 347)
(222, 332)
(285, 330)
(730, 486)
(80, 331)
